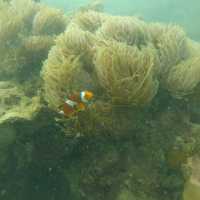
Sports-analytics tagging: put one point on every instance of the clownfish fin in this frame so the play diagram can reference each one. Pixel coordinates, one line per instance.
(81, 107)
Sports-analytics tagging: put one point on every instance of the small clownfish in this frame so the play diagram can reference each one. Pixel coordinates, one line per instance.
(75, 103)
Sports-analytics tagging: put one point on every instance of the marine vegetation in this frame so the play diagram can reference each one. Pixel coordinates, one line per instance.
(134, 135)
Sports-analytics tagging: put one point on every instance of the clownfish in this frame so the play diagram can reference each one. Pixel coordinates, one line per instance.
(75, 103)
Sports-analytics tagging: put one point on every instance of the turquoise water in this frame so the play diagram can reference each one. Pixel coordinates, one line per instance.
(183, 12)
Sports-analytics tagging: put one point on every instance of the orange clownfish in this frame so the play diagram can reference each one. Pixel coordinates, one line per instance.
(75, 103)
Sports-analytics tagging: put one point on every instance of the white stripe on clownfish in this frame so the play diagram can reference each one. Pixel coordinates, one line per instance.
(71, 103)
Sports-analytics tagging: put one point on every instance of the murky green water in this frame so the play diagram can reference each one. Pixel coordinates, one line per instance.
(99, 100)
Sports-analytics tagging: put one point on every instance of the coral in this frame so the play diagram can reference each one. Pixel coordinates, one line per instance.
(49, 21)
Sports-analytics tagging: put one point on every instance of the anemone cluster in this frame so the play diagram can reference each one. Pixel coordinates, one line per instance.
(27, 32)
(130, 59)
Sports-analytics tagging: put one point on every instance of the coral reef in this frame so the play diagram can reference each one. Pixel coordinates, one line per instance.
(132, 142)
(145, 78)
(112, 51)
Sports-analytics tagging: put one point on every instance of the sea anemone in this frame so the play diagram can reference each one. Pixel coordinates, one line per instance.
(65, 70)
(49, 21)
(184, 77)
(129, 30)
(127, 73)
